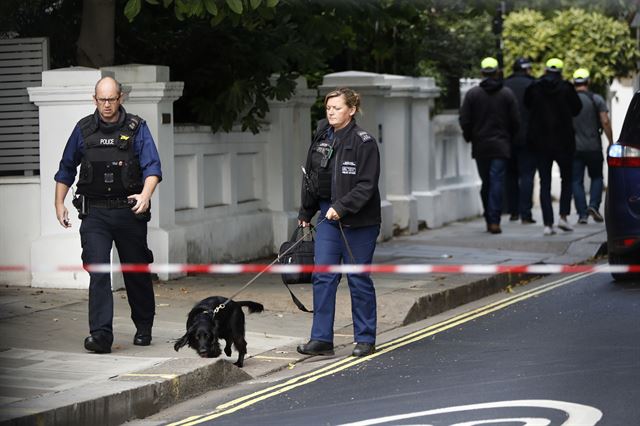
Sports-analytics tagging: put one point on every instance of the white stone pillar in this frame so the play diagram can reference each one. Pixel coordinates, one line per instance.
(407, 109)
(64, 98)
(151, 95)
(289, 139)
(423, 148)
(373, 90)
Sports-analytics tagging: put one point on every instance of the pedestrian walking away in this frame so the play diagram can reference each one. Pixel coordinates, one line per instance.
(341, 181)
(589, 124)
(552, 103)
(490, 120)
(119, 171)
(521, 167)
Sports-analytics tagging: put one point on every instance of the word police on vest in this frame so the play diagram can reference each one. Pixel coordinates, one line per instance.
(107, 141)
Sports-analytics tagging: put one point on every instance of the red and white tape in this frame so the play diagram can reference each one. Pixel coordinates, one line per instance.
(169, 268)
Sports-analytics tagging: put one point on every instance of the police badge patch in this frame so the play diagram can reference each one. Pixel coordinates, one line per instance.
(348, 168)
(366, 137)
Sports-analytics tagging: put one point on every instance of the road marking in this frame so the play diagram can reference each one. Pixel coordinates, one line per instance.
(253, 398)
(490, 307)
(577, 414)
(274, 357)
(526, 421)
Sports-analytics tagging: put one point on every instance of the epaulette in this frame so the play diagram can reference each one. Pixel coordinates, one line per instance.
(131, 123)
(366, 137)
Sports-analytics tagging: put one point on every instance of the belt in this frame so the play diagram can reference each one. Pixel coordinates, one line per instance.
(110, 203)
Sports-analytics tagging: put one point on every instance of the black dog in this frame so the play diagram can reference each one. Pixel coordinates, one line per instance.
(204, 329)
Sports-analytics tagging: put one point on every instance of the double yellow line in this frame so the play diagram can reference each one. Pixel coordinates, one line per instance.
(343, 364)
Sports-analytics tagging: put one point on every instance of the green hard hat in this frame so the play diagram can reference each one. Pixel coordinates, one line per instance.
(554, 64)
(489, 64)
(581, 75)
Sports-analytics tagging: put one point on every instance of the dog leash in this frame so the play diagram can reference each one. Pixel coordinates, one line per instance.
(346, 243)
(295, 300)
(259, 274)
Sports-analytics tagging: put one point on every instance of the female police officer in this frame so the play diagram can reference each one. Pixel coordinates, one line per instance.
(343, 168)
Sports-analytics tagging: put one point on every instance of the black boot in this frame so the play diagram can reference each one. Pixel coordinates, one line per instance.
(142, 339)
(94, 345)
(316, 347)
(363, 349)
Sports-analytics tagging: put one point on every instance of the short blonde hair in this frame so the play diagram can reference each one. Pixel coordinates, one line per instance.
(352, 98)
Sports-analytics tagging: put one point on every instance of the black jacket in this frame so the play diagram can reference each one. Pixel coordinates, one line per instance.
(518, 83)
(354, 195)
(489, 119)
(552, 104)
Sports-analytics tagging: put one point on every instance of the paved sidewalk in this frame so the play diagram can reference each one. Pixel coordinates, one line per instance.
(48, 377)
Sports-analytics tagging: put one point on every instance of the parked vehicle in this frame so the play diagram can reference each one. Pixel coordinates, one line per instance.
(622, 202)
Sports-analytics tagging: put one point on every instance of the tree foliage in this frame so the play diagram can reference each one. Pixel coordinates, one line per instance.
(228, 51)
(580, 38)
(58, 20)
(215, 10)
(228, 63)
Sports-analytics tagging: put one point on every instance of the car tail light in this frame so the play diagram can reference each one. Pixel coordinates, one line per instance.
(623, 156)
(625, 243)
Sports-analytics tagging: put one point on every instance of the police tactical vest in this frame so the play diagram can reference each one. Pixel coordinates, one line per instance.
(110, 167)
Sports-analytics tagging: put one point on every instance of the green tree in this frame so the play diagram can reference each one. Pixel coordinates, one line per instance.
(57, 20)
(215, 10)
(456, 37)
(311, 38)
(228, 51)
(582, 39)
(228, 65)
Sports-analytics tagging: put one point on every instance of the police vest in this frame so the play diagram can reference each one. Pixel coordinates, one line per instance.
(110, 167)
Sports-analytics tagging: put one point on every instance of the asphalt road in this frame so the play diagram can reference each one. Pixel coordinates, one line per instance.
(565, 354)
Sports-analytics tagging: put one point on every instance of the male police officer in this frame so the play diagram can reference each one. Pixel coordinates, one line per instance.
(119, 171)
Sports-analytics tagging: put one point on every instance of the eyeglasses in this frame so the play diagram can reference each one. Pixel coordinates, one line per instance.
(103, 101)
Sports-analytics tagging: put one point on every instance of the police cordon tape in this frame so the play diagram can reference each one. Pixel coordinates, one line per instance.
(343, 269)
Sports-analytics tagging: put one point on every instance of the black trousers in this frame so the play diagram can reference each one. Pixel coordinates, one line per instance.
(98, 231)
(545, 164)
